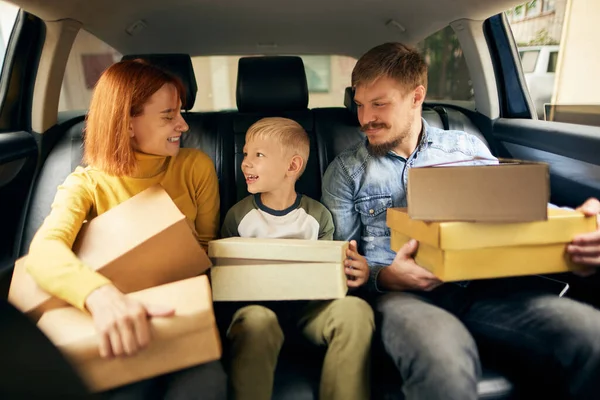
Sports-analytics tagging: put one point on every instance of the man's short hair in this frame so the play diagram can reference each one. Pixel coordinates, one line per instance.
(288, 133)
(397, 61)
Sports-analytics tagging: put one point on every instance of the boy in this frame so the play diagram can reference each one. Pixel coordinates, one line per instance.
(275, 156)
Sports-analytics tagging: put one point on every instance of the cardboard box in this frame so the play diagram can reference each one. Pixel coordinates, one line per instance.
(455, 251)
(248, 269)
(508, 191)
(264, 282)
(143, 242)
(27, 296)
(188, 338)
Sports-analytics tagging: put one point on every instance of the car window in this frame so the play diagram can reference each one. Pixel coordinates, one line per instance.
(529, 60)
(552, 60)
(89, 57)
(327, 76)
(558, 35)
(448, 74)
(8, 16)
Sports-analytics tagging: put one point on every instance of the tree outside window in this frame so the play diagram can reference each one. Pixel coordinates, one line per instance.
(448, 75)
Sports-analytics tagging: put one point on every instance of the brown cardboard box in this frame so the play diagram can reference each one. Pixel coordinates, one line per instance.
(27, 296)
(511, 191)
(188, 338)
(455, 251)
(143, 242)
(248, 269)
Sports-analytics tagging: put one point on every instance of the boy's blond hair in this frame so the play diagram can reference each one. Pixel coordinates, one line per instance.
(288, 133)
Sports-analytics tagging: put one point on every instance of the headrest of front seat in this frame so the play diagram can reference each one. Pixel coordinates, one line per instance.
(179, 65)
(271, 84)
(349, 100)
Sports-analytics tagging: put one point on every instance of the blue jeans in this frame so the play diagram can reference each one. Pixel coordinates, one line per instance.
(436, 339)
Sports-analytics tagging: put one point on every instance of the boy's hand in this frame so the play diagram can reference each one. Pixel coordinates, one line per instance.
(357, 269)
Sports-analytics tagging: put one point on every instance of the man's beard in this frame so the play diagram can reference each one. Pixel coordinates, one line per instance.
(381, 149)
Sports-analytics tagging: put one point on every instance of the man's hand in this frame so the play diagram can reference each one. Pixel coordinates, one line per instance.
(405, 274)
(357, 268)
(585, 248)
(122, 323)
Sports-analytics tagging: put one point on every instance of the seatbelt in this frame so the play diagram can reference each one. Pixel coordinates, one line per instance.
(443, 116)
(455, 122)
(452, 120)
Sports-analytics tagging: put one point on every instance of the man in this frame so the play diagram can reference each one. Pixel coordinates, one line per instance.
(434, 332)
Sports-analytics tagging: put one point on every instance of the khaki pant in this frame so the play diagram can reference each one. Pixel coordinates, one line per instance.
(344, 325)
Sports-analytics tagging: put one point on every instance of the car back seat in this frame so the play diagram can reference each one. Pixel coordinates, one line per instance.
(271, 86)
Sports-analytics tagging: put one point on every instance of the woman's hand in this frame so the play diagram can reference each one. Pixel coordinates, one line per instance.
(122, 323)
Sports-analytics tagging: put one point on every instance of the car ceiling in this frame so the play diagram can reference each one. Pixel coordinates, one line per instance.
(213, 27)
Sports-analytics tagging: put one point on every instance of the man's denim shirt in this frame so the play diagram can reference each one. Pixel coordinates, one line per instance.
(358, 189)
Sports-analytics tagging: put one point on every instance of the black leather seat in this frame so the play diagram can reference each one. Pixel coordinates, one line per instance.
(269, 86)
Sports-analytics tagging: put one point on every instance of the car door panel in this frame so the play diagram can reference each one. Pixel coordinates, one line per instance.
(18, 159)
(18, 146)
(572, 151)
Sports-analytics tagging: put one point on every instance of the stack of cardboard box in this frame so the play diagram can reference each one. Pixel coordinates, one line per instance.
(248, 269)
(146, 247)
(485, 221)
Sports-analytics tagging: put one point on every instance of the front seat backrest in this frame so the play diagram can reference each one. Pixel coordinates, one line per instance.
(179, 65)
(271, 84)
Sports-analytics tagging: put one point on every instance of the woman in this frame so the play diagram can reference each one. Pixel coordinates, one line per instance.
(132, 141)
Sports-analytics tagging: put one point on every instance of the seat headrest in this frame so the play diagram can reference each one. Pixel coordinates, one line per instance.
(179, 65)
(271, 84)
(349, 100)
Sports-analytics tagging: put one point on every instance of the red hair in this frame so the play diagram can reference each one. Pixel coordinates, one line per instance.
(120, 94)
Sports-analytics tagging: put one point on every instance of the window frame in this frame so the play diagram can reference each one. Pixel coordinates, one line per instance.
(8, 59)
(513, 95)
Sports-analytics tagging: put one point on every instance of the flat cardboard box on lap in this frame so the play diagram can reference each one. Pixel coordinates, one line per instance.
(188, 338)
(248, 269)
(455, 251)
(504, 191)
(143, 242)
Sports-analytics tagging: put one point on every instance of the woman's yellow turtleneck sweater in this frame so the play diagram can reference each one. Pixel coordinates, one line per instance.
(189, 179)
